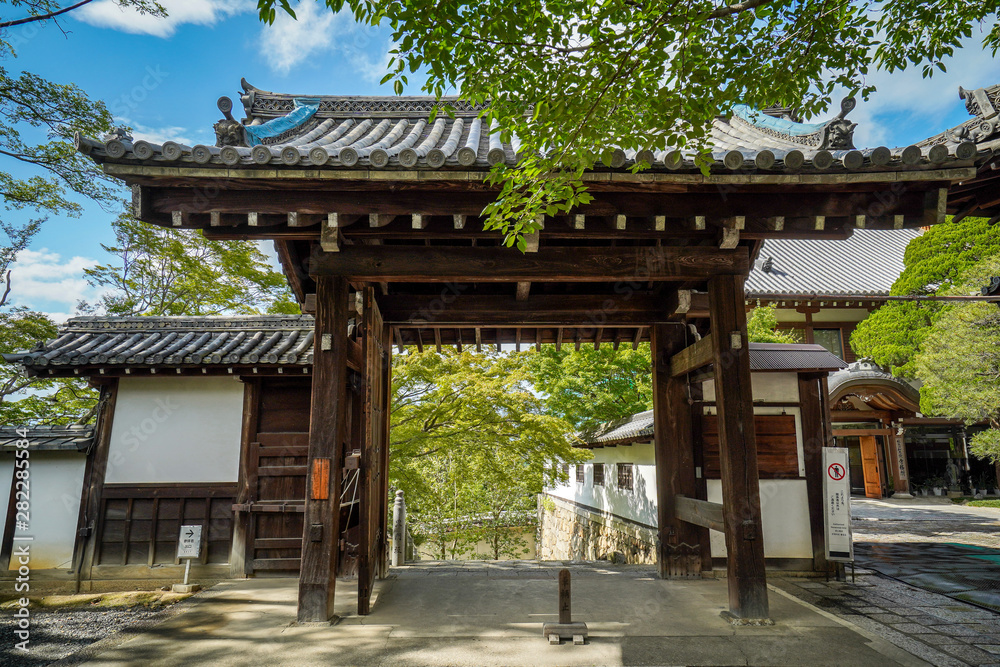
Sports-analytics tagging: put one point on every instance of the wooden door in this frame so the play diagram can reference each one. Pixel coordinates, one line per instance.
(869, 462)
(374, 449)
(277, 484)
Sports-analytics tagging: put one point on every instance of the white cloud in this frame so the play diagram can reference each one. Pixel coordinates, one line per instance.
(905, 101)
(44, 281)
(290, 42)
(157, 135)
(107, 14)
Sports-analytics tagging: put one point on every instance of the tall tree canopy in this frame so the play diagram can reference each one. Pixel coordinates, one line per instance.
(40, 170)
(573, 79)
(177, 272)
(959, 362)
(932, 264)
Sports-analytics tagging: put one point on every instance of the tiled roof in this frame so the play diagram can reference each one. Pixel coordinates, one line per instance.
(396, 133)
(866, 264)
(764, 357)
(277, 340)
(48, 438)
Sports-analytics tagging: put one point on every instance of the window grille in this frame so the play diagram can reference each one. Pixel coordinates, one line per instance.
(625, 476)
(565, 469)
(598, 474)
(579, 473)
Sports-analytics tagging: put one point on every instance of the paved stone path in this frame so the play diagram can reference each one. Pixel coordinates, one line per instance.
(924, 520)
(935, 628)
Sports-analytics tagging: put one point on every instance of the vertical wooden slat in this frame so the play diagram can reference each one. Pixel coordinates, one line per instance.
(680, 543)
(737, 448)
(327, 430)
(154, 520)
(92, 513)
(240, 556)
(205, 527)
(7, 547)
(815, 436)
(127, 532)
(373, 443)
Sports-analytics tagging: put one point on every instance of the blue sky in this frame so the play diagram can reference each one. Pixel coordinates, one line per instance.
(163, 76)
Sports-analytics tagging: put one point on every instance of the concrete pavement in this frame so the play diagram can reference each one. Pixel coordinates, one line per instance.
(491, 614)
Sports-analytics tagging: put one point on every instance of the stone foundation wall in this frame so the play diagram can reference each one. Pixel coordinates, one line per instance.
(568, 532)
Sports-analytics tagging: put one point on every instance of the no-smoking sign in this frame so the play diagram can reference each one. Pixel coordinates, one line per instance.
(836, 472)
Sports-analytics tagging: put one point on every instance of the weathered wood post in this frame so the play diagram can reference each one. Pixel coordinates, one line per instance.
(679, 543)
(327, 431)
(565, 628)
(399, 530)
(737, 449)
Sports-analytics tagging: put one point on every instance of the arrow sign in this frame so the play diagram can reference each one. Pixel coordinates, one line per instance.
(189, 542)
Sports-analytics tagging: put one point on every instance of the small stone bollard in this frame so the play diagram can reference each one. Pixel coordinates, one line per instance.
(565, 628)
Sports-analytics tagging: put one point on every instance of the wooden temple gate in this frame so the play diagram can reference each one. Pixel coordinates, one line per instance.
(366, 199)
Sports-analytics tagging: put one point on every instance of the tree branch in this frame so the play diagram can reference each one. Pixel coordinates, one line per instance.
(42, 17)
(6, 293)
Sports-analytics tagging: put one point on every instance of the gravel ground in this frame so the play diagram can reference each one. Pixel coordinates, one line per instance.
(56, 634)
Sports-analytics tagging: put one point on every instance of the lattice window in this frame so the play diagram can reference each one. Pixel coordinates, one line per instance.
(565, 469)
(625, 476)
(579, 473)
(598, 474)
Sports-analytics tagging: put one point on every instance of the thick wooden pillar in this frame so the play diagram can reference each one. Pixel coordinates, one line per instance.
(241, 551)
(680, 544)
(737, 448)
(327, 430)
(92, 502)
(816, 434)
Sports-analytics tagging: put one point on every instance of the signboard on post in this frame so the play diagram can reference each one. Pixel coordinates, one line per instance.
(837, 505)
(189, 545)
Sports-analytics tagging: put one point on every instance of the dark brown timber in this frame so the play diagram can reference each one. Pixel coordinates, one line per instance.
(738, 449)
(327, 430)
(442, 264)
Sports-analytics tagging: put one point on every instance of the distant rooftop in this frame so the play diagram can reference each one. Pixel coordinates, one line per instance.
(866, 264)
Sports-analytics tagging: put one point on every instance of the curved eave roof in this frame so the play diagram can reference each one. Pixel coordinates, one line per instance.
(394, 134)
(864, 376)
(174, 342)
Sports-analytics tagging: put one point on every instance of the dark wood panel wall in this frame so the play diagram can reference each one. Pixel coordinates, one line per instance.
(140, 523)
(777, 448)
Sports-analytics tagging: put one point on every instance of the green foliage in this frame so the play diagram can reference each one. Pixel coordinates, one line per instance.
(572, 78)
(40, 169)
(180, 272)
(590, 387)
(933, 262)
(471, 446)
(984, 503)
(959, 362)
(33, 400)
(762, 327)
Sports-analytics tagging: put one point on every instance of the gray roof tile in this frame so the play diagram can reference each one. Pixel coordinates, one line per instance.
(866, 264)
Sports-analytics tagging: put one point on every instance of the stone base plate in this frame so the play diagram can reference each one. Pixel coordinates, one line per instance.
(185, 588)
(555, 632)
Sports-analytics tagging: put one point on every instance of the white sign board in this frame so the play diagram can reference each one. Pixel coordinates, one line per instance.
(837, 504)
(189, 545)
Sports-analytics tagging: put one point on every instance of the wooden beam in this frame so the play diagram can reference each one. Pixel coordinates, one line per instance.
(478, 264)
(679, 543)
(479, 339)
(437, 339)
(700, 513)
(329, 238)
(327, 430)
(692, 357)
(537, 309)
(597, 338)
(737, 449)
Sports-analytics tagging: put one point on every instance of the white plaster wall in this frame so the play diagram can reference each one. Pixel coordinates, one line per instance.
(789, 314)
(840, 315)
(180, 429)
(637, 505)
(767, 388)
(784, 515)
(55, 484)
